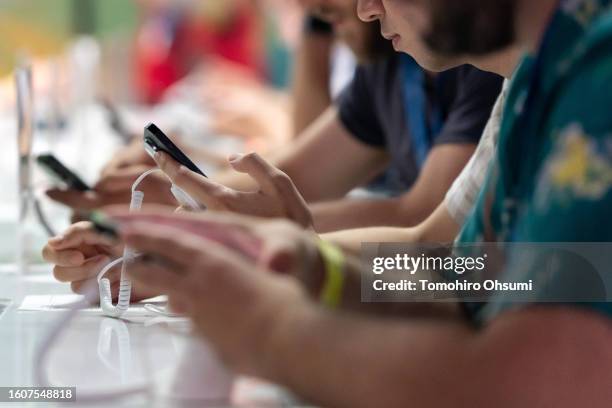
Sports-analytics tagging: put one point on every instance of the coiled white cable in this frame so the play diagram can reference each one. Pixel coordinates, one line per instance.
(106, 304)
(125, 285)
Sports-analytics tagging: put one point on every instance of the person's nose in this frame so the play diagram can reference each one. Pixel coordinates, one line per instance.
(370, 10)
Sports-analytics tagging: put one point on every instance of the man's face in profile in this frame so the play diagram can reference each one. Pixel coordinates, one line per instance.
(439, 32)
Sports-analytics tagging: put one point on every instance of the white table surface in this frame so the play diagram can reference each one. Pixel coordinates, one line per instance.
(181, 369)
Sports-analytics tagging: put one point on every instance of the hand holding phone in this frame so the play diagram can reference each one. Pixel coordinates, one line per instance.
(57, 170)
(102, 225)
(155, 140)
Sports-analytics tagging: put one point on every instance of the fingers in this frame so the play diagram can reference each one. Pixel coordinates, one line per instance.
(81, 233)
(178, 247)
(167, 165)
(63, 258)
(75, 199)
(120, 180)
(87, 270)
(77, 253)
(161, 212)
(172, 244)
(182, 210)
(297, 208)
(267, 176)
(81, 287)
(116, 164)
(89, 286)
(157, 278)
(201, 188)
(88, 200)
(233, 233)
(274, 182)
(187, 263)
(165, 216)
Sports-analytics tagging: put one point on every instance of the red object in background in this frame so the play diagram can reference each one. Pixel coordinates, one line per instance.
(170, 45)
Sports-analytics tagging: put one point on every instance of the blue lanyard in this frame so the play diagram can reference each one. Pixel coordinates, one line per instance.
(415, 103)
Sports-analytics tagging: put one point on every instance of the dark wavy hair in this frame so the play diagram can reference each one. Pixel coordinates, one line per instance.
(470, 27)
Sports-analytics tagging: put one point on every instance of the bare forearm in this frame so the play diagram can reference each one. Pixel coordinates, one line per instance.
(350, 240)
(442, 167)
(311, 95)
(522, 358)
(439, 227)
(402, 359)
(412, 208)
(348, 213)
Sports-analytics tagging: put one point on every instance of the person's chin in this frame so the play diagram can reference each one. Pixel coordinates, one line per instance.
(432, 64)
(397, 43)
(437, 67)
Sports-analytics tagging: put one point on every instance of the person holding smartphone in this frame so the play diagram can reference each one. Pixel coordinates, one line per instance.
(422, 156)
(278, 196)
(494, 353)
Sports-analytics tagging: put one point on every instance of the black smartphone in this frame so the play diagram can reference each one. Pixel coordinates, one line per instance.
(155, 140)
(102, 224)
(57, 170)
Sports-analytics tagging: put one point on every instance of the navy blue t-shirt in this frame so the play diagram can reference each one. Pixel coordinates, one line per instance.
(373, 110)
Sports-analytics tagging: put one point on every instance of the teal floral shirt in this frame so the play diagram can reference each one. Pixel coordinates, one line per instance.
(552, 178)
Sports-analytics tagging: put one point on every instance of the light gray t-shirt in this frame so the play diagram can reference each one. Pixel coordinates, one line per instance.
(462, 195)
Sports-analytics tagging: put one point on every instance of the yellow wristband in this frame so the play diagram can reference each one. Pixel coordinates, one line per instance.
(333, 259)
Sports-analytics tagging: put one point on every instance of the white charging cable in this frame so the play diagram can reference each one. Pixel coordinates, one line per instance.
(104, 289)
(184, 199)
(125, 285)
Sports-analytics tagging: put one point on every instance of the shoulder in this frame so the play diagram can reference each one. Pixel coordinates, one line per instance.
(472, 77)
(584, 98)
(475, 86)
(586, 87)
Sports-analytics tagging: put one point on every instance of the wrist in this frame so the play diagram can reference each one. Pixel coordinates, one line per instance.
(313, 271)
(323, 273)
(286, 331)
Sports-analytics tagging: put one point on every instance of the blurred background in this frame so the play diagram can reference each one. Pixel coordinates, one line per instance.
(157, 41)
(212, 72)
